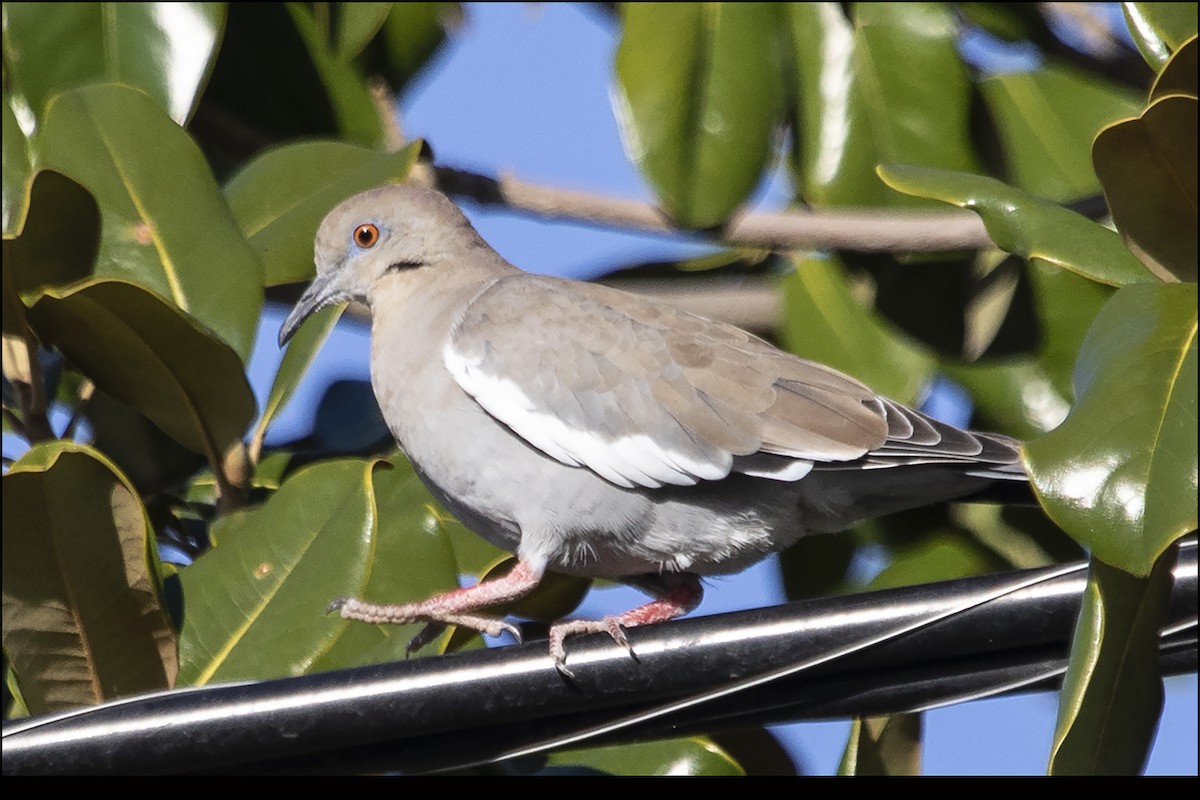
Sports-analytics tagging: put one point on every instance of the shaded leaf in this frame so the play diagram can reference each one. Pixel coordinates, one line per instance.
(152, 460)
(357, 119)
(1119, 475)
(1148, 167)
(698, 96)
(691, 756)
(411, 35)
(1025, 225)
(817, 566)
(883, 746)
(1046, 121)
(254, 606)
(1159, 29)
(18, 172)
(1179, 75)
(165, 224)
(280, 198)
(834, 151)
(356, 24)
(62, 234)
(164, 49)
(83, 621)
(170, 369)
(824, 322)
(1112, 694)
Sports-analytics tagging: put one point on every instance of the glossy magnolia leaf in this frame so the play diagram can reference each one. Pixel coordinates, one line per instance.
(1179, 75)
(883, 746)
(411, 560)
(61, 236)
(357, 118)
(299, 354)
(254, 606)
(164, 49)
(1047, 120)
(83, 621)
(165, 224)
(691, 756)
(824, 322)
(356, 24)
(934, 549)
(918, 113)
(1159, 29)
(1024, 225)
(698, 96)
(834, 150)
(1112, 694)
(147, 354)
(1148, 167)
(18, 173)
(281, 197)
(1119, 475)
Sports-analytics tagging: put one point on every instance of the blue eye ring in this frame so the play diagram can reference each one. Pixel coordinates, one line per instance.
(366, 235)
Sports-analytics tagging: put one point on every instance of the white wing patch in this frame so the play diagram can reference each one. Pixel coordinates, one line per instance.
(627, 461)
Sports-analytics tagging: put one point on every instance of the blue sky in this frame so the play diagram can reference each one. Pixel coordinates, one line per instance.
(543, 115)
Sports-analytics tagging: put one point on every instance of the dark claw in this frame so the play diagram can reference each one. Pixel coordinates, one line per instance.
(427, 634)
(336, 604)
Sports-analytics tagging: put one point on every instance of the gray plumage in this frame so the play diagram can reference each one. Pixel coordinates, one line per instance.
(598, 433)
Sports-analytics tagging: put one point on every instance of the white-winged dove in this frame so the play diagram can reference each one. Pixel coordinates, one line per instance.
(598, 433)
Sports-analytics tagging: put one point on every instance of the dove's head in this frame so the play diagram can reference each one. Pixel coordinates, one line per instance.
(382, 231)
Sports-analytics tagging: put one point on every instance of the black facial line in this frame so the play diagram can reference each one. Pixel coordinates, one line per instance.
(399, 265)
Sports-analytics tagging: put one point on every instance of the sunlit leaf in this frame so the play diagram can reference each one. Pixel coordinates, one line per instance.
(165, 223)
(1119, 474)
(1025, 225)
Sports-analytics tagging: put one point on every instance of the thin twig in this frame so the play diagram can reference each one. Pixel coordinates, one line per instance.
(862, 230)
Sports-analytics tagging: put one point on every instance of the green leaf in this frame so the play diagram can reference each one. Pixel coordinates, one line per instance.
(824, 322)
(1148, 167)
(412, 33)
(61, 236)
(299, 354)
(918, 114)
(147, 354)
(412, 560)
(1119, 475)
(883, 746)
(699, 96)
(165, 224)
(1025, 225)
(940, 551)
(83, 621)
(254, 606)
(834, 153)
(690, 756)
(1159, 29)
(164, 49)
(1179, 75)
(357, 118)
(1046, 121)
(1112, 694)
(280, 198)
(18, 172)
(357, 24)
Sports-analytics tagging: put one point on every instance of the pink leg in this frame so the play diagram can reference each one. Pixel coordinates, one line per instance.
(675, 602)
(455, 607)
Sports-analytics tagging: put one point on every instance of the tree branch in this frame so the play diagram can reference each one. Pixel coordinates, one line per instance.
(862, 230)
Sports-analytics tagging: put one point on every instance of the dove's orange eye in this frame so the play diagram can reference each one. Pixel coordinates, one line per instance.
(366, 236)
